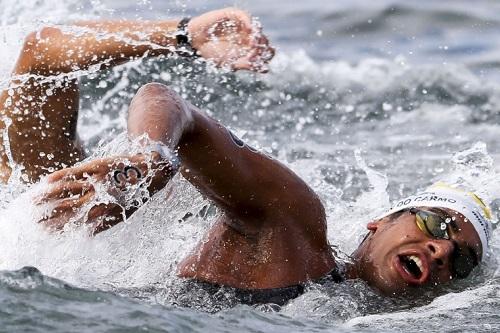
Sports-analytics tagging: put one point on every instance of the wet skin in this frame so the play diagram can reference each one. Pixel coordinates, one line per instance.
(272, 229)
(381, 258)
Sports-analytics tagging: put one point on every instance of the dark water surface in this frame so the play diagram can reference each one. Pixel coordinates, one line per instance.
(366, 100)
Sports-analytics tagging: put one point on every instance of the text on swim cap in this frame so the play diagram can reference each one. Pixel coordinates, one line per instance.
(424, 198)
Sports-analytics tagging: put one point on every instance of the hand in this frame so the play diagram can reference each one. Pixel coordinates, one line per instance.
(228, 37)
(74, 191)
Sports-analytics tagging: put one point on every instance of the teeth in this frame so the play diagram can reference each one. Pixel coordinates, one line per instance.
(417, 261)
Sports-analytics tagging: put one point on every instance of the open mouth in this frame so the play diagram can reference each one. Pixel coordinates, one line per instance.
(412, 265)
(412, 268)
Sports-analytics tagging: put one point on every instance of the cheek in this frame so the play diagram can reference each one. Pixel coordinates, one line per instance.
(389, 236)
(404, 231)
(377, 248)
(390, 240)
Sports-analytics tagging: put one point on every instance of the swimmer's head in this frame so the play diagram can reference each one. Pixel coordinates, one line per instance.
(424, 240)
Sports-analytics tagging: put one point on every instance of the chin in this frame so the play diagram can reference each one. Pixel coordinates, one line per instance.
(386, 278)
(390, 283)
(389, 288)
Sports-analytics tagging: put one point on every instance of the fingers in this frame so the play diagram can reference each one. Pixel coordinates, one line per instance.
(104, 216)
(72, 204)
(255, 57)
(104, 211)
(63, 211)
(231, 37)
(65, 190)
(117, 173)
(255, 39)
(71, 191)
(55, 223)
(260, 52)
(265, 51)
(87, 169)
(256, 60)
(97, 169)
(242, 64)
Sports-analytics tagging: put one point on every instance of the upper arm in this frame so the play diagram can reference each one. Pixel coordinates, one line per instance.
(42, 115)
(250, 186)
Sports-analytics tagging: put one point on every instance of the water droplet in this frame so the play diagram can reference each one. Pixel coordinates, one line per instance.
(165, 76)
(386, 107)
(265, 103)
(8, 102)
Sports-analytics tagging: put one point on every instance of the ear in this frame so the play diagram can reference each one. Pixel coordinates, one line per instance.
(373, 226)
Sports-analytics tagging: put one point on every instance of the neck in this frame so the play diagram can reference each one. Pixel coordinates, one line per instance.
(352, 269)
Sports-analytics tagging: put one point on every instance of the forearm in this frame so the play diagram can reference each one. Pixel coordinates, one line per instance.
(56, 51)
(227, 37)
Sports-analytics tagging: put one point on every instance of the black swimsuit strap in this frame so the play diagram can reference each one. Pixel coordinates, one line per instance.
(336, 276)
(278, 296)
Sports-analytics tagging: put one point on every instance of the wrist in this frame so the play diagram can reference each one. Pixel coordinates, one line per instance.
(184, 45)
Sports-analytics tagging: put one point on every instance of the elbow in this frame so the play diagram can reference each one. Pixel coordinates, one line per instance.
(159, 112)
(39, 39)
(38, 52)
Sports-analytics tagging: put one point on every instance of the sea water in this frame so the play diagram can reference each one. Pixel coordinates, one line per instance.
(367, 101)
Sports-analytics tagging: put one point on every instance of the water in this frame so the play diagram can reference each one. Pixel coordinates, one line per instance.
(367, 101)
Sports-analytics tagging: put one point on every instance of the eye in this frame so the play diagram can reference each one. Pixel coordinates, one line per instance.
(436, 225)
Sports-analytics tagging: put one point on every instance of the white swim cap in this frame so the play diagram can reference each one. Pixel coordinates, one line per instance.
(466, 203)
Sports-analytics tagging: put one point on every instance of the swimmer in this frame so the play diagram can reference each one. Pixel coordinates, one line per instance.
(271, 238)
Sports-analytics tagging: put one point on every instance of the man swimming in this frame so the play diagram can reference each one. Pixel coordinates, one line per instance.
(271, 236)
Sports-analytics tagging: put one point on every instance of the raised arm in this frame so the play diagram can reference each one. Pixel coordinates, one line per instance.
(42, 105)
(252, 188)
(227, 37)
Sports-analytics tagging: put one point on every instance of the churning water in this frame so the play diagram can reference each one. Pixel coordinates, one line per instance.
(367, 101)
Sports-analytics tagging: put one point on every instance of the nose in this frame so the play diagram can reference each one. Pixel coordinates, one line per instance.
(440, 250)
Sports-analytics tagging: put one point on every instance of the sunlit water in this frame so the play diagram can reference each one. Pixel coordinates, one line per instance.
(367, 102)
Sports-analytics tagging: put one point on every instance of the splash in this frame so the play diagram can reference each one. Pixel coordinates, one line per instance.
(413, 123)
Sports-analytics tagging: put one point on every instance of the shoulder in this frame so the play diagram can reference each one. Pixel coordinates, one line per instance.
(297, 216)
(301, 209)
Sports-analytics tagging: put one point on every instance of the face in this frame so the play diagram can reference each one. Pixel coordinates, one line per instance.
(398, 256)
